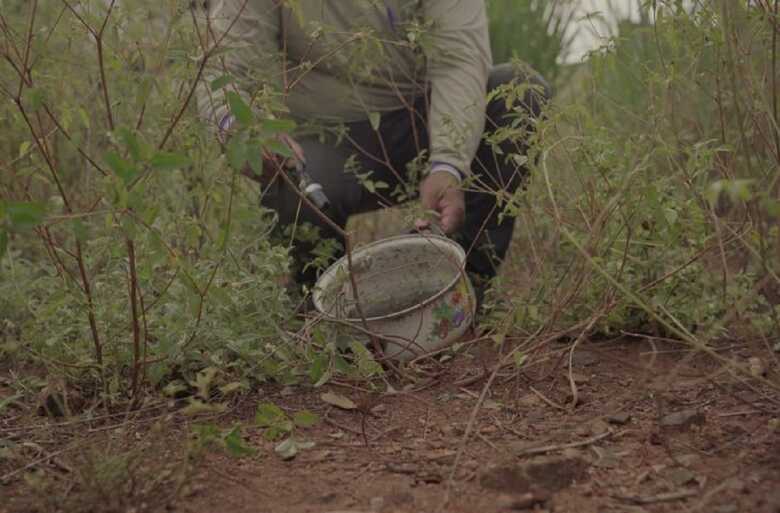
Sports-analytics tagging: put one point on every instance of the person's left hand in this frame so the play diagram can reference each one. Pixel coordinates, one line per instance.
(441, 193)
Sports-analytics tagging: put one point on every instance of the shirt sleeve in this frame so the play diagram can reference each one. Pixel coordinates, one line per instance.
(459, 62)
(248, 35)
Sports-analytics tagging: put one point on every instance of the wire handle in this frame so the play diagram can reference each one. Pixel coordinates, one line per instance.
(433, 228)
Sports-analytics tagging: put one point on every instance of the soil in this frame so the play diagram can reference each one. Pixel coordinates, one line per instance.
(656, 429)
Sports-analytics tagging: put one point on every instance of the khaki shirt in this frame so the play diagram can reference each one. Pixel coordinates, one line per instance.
(349, 60)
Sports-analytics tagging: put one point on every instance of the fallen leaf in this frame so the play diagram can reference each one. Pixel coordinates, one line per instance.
(289, 448)
(490, 404)
(339, 401)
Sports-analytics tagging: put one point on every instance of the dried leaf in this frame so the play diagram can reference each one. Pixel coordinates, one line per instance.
(289, 448)
(339, 401)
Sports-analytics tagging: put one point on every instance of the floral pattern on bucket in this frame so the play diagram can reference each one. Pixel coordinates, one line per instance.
(453, 312)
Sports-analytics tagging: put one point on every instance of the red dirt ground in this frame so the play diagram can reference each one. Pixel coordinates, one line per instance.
(723, 458)
(726, 460)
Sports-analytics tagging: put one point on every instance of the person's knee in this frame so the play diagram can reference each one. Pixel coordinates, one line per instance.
(537, 92)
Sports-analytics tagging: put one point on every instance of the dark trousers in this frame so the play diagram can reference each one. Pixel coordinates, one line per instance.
(335, 161)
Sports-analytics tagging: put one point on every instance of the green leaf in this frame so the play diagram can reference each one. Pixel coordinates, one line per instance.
(374, 118)
(236, 153)
(130, 141)
(367, 365)
(25, 215)
(268, 414)
(239, 108)
(319, 371)
(254, 157)
(519, 358)
(166, 161)
(279, 148)
(235, 444)
(276, 432)
(206, 434)
(339, 401)
(121, 167)
(670, 215)
(306, 419)
(220, 82)
(24, 147)
(278, 126)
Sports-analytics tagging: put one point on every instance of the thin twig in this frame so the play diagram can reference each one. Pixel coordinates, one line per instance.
(653, 499)
(546, 400)
(559, 447)
(134, 317)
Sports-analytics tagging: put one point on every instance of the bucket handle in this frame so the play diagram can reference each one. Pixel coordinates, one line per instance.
(433, 228)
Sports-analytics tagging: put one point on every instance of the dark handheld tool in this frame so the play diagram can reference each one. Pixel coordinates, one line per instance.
(311, 189)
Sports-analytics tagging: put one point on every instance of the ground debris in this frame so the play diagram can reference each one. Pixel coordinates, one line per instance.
(683, 419)
(678, 476)
(619, 418)
(549, 474)
(661, 497)
(402, 468)
(756, 366)
(523, 501)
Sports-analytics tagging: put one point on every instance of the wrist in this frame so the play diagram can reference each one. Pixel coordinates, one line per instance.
(443, 167)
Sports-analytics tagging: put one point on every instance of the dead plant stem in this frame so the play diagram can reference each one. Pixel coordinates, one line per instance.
(134, 318)
(559, 447)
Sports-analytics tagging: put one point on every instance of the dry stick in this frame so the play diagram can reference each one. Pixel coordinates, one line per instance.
(661, 497)
(545, 399)
(28, 47)
(133, 285)
(9, 39)
(559, 447)
(101, 65)
(574, 391)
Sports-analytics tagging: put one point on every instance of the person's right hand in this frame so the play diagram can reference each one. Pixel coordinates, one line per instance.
(441, 192)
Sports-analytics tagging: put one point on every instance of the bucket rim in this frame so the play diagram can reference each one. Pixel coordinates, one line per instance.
(461, 274)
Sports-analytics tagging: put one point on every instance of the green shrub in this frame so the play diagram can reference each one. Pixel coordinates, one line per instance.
(656, 192)
(133, 252)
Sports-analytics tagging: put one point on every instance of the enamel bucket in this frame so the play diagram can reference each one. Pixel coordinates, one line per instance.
(413, 292)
